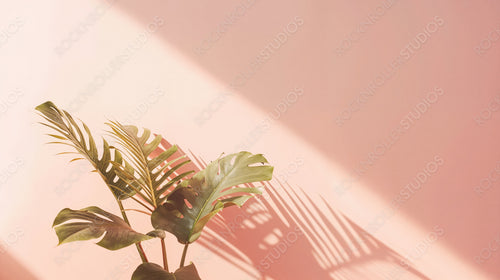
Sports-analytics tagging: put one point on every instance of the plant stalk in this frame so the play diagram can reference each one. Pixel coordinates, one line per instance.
(141, 252)
(164, 252)
(184, 252)
(137, 245)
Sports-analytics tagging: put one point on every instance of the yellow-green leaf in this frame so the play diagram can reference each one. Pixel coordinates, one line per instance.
(208, 192)
(71, 134)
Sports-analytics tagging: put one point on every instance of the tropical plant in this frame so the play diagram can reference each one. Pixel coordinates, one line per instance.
(177, 200)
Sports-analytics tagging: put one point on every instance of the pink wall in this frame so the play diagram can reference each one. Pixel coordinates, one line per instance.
(351, 101)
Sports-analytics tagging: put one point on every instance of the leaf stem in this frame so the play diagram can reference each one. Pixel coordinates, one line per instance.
(124, 215)
(164, 252)
(138, 244)
(141, 252)
(184, 252)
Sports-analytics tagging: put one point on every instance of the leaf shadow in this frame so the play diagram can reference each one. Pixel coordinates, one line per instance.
(287, 234)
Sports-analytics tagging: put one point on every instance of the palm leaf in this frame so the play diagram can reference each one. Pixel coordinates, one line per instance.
(69, 133)
(155, 174)
(191, 205)
(117, 233)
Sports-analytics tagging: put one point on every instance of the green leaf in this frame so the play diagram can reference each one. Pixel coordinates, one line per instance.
(93, 222)
(71, 134)
(156, 174)
(208, 192)
(151, 271)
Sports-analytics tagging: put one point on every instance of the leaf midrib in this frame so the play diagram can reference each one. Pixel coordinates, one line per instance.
(206, 202)
(145, 162)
